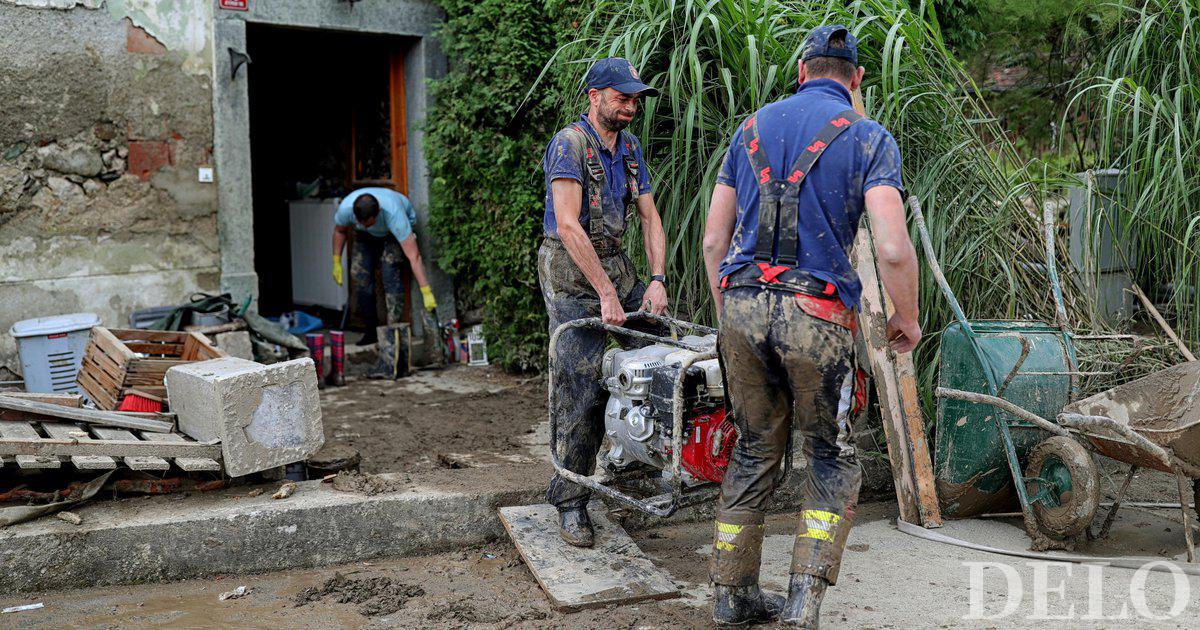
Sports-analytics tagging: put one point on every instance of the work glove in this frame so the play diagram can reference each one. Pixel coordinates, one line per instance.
(337, 269)
(427, 295)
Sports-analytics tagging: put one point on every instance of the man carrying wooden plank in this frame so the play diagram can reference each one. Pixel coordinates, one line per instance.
(776, 247)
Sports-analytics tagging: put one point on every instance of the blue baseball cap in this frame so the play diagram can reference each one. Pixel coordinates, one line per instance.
(618, 74)
(817, 44)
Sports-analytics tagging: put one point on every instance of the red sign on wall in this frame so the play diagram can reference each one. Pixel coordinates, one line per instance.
(235, 5)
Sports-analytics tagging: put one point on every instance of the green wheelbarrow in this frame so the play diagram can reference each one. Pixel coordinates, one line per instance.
(998, 380)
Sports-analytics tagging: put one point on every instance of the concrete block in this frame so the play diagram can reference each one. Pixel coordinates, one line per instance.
(236, 344)
(264, 415)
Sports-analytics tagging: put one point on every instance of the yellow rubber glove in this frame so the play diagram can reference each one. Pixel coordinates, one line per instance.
(337, 269)
(427, 294)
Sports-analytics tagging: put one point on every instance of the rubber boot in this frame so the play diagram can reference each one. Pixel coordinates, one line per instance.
(803, 607)
(741, 605)
(337, 351)
(575, 526)
(316, 350)
(394, 345)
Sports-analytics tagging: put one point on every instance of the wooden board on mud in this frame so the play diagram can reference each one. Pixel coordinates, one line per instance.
(614, 571)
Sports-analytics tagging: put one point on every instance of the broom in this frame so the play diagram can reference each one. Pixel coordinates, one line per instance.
(139, 401)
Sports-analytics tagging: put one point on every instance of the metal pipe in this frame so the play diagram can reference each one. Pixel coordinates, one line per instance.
(914, 204)
(1003, 405)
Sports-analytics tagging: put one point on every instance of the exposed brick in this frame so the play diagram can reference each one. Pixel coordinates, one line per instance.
(137, 40)
(147, 157)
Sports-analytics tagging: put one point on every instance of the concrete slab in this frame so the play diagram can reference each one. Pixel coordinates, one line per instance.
(612, 572)
(264, 415)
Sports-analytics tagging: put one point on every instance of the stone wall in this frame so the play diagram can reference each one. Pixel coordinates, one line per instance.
(107, 114)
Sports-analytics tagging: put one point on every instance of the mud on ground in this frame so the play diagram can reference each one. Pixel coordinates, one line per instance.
(457, 417)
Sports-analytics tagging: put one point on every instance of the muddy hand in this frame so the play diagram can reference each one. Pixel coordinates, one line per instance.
(611, 311)
(655, 299)
(902, 334)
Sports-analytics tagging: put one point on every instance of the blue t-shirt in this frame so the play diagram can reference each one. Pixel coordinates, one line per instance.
(566, 159)
(396, 213)
(831, 196)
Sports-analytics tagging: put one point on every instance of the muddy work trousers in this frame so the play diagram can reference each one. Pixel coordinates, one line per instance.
(782, 363)
(371, 252)
(575, 365)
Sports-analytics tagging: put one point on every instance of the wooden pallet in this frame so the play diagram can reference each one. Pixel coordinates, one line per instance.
(119, 360)
(138, 450)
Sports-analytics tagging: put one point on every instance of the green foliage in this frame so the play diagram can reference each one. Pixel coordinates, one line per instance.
(1142, 100)
(717, 61)
(484, 145)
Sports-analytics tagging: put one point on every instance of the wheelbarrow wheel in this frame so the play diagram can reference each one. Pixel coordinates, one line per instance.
(1064, 486)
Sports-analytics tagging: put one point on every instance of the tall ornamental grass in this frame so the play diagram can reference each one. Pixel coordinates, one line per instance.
(717, 61)
(1143, 97)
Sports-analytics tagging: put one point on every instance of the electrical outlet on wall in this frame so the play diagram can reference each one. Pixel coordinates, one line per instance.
(205, 174)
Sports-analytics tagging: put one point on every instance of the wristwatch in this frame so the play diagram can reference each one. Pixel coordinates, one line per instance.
(660, 278)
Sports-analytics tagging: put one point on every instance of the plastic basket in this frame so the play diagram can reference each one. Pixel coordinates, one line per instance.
(51, 350)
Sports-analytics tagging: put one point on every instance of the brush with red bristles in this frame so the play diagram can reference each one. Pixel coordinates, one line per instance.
(142, 402)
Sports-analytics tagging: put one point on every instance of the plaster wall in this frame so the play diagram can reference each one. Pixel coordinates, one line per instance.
(107, 111)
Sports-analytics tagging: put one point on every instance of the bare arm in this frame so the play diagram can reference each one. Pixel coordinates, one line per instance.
(718, 232)
(655, 241)
(413, 253)
(340, 234)
(897, 262)
(568, 195)
(653, 237)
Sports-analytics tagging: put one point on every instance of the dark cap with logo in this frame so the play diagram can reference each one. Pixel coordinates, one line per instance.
(817, 44)
(618, 74)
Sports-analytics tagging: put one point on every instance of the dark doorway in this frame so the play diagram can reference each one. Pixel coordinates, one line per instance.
(326, 117)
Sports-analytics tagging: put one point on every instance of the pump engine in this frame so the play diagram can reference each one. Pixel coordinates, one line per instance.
(639, 416)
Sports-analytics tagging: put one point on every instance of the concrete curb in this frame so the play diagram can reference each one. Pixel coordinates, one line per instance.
(169, 538)
(175, 538)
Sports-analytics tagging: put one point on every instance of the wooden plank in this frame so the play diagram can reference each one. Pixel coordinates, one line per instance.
(135, 462)
(190, 464)
(134, 334)
(169, 349)
(205, 350)
(896, 386)
(72, 446)
(62, 400)
(614, 571)
(106, 418)
(25, 431)
(63, 431)
(107, 340)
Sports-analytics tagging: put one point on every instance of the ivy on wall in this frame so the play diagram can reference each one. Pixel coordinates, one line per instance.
(484, 143)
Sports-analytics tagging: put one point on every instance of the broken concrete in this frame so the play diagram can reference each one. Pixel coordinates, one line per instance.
(264, 415)
(236, 344)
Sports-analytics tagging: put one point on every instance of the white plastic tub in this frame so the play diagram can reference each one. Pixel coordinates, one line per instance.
(51, 350)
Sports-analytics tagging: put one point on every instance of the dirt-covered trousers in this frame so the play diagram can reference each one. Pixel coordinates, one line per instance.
(579, 407)
(371, 252)
(780, 362)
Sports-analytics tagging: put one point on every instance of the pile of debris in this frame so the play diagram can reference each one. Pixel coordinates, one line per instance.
(153, 400)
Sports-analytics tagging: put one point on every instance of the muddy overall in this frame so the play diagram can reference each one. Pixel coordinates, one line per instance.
(787, 344)
(569, 296)
(371, 252)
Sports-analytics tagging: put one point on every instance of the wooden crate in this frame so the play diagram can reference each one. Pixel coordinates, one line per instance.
(118, 360)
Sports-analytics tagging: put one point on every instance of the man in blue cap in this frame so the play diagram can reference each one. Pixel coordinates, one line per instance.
(795, 181)
(596, 178)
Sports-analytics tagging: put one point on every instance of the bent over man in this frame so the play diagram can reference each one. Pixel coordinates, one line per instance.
(383, 219)
(596, 178)
(784, 215)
